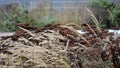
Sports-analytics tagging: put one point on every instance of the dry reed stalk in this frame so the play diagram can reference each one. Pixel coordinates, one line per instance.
(94, 19)
(74, 24)
(91, 29)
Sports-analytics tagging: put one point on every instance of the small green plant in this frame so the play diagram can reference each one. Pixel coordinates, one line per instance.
(46, 20)
(6, 24)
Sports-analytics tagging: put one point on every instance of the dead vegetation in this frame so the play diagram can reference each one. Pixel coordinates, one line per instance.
(58, 46)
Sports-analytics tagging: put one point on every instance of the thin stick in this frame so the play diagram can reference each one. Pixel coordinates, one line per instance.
(82, 45)
(67, 45)
(91, 29)
(30, 33)
(84, 39)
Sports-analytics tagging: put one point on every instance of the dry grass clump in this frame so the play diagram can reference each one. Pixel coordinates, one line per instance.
(44, 50)
(58, 46)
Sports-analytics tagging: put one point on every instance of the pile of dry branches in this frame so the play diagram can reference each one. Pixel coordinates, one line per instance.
(59, 46)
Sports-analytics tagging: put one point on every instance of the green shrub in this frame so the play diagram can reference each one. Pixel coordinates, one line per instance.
(13, 16)
(108, 12)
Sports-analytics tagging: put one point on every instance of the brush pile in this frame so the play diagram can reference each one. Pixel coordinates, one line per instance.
(59, 46)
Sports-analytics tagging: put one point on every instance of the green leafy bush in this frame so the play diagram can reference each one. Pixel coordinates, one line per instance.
(108, 12)
(20, 15)
(11, 15)
(114, 17)
(6, 24)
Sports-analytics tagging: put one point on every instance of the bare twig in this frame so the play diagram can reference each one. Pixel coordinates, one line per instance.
(30, 33)
(82, 45)
(91, 29)
(67, 45)
(84, 39)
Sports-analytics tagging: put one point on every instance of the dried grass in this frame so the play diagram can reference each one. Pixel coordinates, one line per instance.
(46, 50)
(29, 53)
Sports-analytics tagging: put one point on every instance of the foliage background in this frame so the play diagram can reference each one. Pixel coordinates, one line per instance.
(55, 11)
